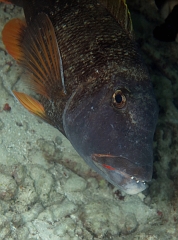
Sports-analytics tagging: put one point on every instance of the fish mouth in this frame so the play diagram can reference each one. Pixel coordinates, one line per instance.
(122, 173)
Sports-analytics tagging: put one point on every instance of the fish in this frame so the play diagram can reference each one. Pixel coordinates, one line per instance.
(91, 84)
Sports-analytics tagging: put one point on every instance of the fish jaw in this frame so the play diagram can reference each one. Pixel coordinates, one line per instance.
(125, 182)
(119, 178)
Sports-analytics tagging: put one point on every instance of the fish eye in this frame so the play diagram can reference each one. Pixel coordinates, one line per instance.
(119, 99)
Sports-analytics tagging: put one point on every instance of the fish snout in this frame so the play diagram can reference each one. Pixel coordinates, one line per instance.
(118, 169)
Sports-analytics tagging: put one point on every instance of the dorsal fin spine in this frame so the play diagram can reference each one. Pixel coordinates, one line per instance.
(119, 10)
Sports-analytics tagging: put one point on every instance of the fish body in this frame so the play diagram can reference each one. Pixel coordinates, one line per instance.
(94, 88)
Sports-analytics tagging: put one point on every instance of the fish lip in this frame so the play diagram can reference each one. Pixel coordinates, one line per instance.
(122, 180)
(122, 173)
(124, 166)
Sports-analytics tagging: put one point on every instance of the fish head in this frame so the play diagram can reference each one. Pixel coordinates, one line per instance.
(112, 128)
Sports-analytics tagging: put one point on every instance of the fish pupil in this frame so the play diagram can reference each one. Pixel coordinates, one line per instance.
(118, 98)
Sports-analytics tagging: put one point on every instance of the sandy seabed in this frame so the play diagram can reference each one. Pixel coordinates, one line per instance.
(46, 189)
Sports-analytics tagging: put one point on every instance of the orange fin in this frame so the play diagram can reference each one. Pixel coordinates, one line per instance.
(31, 104)
(12, 36)
(42, 58)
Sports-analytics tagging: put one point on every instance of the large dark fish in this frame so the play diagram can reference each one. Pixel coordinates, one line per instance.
(93, 87)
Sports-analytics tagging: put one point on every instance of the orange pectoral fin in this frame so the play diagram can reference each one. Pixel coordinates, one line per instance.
(31, 104)
(12, 36)
(42, 58)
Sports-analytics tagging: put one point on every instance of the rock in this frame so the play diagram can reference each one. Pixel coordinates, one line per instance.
(8, 187)
(5, 228)
(62, 210)
(75, 184)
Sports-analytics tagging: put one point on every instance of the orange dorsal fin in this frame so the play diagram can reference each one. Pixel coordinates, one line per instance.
(12, 36)
(42, 58)
(31, 104)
